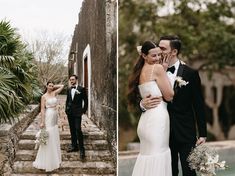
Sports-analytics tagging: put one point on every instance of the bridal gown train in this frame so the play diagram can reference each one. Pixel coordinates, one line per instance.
(49, 155)
(154, 158)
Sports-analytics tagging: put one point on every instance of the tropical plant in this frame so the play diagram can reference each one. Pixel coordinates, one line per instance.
(17, 74)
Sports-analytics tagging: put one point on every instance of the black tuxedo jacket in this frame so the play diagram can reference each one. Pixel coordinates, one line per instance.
(187, 109)
(75, 107)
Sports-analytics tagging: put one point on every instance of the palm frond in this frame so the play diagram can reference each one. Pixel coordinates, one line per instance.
(6, 61)
(17, 75)
(10, 105)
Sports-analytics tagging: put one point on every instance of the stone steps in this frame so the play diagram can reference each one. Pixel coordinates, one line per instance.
(98, 135)
(61, 174)
(91, 155)
(98, 157)
(75, 167)
(98, 160)
(55, 174)
(26, 144)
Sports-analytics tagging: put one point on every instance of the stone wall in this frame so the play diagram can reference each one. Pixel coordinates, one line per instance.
(9, 137)
(97, 28)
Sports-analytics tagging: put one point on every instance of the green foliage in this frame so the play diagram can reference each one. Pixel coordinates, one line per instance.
(17, 74)
(207, 30)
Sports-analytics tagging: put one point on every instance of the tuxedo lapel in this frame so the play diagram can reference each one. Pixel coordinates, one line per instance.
(180, 74)
(180, 70)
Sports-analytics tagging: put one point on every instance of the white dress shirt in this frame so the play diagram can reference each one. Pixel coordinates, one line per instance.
(172, 76)
(73, 91)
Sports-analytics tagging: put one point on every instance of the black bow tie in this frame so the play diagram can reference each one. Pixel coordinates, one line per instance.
(171, 69)
(73, 87)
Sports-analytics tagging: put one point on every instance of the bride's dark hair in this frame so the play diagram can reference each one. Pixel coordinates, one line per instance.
(45, 90)
(133, 92)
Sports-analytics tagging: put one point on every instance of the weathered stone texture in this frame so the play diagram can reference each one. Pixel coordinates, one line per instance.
(9, 137)
(97, 27)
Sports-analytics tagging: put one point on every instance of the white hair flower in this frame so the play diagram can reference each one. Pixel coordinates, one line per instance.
(139, 49)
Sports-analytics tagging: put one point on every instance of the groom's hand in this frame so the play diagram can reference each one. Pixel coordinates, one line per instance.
(201, 140)
(151, 101)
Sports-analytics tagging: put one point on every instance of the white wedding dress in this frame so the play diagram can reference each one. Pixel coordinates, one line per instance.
(154, 158)
(49, 155)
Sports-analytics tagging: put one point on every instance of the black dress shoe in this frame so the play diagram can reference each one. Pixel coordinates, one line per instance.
(72, 150)
(82, 154)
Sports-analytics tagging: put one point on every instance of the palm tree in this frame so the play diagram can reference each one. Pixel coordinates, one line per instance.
(18, 85)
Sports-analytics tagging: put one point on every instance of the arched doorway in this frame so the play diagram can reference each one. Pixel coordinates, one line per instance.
(86, 65)
(85, 74)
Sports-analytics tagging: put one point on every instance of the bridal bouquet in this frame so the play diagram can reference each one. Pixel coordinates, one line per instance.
(41, 138)
(205, 160)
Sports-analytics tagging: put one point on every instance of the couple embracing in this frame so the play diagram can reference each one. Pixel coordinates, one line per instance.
(173, 118)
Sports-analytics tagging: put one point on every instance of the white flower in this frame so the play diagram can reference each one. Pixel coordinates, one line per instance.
(212, 160)
(77, 92)
(180, 81)
(139, 49)
(221, 165)
(182, 62)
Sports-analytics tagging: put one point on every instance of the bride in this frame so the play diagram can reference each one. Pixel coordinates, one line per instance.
(49, 155)
(149, 79)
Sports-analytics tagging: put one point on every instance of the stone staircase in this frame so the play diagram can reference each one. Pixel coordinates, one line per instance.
(98, 157)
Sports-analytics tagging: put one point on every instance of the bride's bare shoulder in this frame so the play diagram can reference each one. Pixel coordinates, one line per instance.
(44, 96)
(158, 69)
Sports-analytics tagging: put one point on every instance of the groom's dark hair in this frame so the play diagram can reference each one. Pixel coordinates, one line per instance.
(175, 41)
(76, 77)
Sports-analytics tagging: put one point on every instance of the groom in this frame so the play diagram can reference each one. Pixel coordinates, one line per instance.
(76, 106)
(186, 110)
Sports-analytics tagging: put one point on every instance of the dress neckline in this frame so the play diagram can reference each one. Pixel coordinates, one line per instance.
(147, 82)
(50, 98)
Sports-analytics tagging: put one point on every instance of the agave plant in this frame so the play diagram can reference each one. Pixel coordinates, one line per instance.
(17, 74)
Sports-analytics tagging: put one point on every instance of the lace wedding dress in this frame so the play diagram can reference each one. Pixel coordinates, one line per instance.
(49, 155)
(154, 158)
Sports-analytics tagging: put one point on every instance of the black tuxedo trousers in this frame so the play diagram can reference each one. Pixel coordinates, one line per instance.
(76, 131)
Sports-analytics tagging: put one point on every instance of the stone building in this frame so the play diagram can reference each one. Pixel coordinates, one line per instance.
(93, 58)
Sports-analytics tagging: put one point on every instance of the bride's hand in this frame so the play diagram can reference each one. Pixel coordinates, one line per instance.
(42, 125)
(201, 140)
